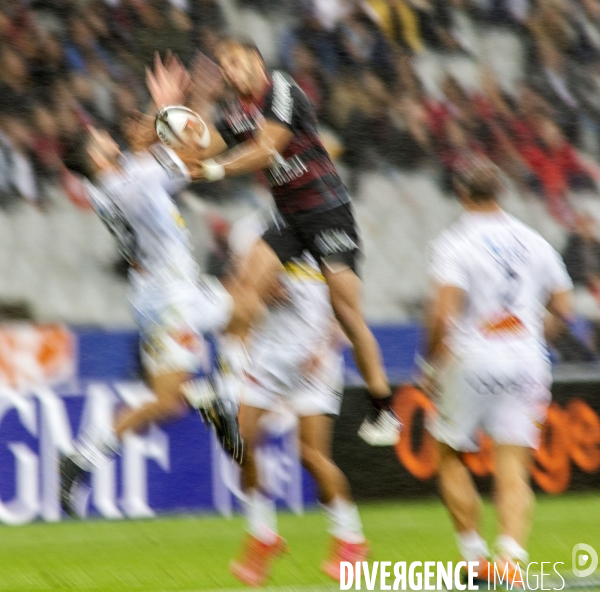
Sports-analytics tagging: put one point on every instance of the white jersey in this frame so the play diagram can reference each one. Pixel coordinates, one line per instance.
(508, 272)
(296, 352)
(135, 204)
(305, 319)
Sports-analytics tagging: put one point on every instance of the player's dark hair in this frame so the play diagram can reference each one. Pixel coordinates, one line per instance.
(479, 177)
(240, 41)
(76, 157)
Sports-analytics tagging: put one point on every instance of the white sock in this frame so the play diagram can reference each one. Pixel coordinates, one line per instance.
(261, 516)
(471, 546)
(507, 548)
(343, 520)
(95, 447)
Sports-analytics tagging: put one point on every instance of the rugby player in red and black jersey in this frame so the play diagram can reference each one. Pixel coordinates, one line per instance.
(270, 126)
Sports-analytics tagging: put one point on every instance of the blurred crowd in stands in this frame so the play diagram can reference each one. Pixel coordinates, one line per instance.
(68, 63)
(65, 63)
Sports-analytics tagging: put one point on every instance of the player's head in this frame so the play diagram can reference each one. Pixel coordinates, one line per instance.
(91, 153)
(242, 65)
(477, 181)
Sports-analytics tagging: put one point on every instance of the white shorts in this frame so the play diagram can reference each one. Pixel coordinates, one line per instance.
(507, 399)
(306, 382)
(172, 337)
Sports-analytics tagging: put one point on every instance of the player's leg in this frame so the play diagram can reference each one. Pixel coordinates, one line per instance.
(258, 271)
(460, 409)
(458, 491)
(332, 239)
(344, 524)
(315, 450)
(515, 426)
(514, 501)
(263, 544)
(345, 290)
(168, 404)
(95, 447)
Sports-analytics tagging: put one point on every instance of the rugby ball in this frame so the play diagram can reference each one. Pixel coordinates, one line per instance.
(177, 125)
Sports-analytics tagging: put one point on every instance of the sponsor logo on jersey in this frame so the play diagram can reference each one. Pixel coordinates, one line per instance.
(283, 171)
(283, 104)
(507, 324)
(334, 241)
(242, 122)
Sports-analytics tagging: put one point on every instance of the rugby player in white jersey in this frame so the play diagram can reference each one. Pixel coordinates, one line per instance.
(172, 304)
(296, 361)
(495, 281)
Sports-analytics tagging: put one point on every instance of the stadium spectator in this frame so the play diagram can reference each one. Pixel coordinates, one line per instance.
(362, 46)
(582, 253)
(435, 22)
(557, 167)
(554, 81)
(582, 259)
(308, 75)
(16, 89)
(62, 68)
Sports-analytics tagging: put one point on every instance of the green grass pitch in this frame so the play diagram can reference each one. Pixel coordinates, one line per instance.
(191, 553)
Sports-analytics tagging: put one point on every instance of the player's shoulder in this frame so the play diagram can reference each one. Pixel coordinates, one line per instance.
(283, 82)
(453, 237)
(285, 96)
(529, 236)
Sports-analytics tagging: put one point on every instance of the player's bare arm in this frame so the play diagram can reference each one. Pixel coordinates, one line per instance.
(446, 305)
(560, 307)
(253, 155)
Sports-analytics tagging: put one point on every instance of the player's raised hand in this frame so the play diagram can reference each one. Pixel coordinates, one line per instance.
(169, 82)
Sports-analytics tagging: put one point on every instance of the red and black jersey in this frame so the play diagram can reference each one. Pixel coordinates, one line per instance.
(302, 177)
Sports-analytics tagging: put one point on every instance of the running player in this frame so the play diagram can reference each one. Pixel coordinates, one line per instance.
(295, 360)
(270, 126)
(173, 307)
(495, 279)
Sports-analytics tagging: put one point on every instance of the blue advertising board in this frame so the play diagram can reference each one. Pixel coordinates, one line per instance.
(177, 467)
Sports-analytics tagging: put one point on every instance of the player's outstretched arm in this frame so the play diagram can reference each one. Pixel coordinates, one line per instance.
(253, 155)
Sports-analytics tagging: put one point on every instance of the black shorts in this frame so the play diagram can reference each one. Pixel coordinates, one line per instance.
(330, 236)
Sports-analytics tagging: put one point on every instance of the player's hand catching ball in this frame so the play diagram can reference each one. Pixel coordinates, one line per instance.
(169, 82)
